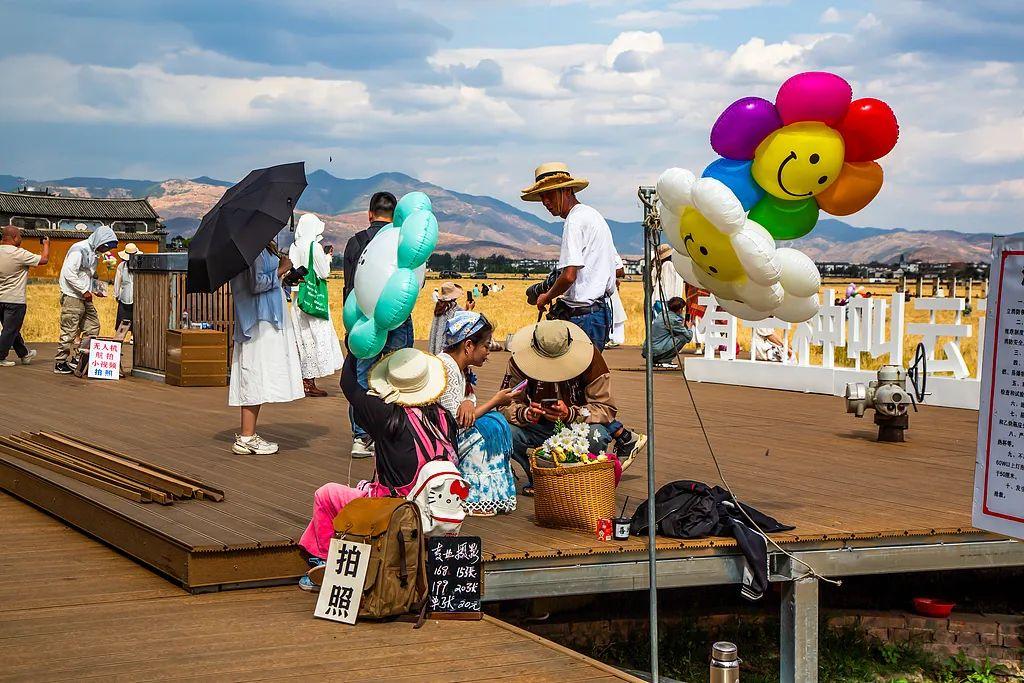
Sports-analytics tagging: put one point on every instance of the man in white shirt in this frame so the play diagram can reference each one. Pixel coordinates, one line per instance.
(588, 260)
(14, 265)
(77, 287)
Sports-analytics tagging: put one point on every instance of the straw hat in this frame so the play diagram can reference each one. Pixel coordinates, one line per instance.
(664, 252)
(552, 350)
(450, 292)
(408, 377)
(553, 175)
(129, 249)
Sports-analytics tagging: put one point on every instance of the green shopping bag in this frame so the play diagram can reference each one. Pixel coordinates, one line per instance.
(313, 291)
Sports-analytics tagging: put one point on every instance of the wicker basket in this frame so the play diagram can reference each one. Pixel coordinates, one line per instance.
(573, 497)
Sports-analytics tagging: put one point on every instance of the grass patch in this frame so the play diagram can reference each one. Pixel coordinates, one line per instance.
(845, 655)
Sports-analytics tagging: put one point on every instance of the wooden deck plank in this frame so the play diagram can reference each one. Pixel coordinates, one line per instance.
(823, 471)
(104, 617)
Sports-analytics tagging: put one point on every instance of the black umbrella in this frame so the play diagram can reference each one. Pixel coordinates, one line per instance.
(243, 222)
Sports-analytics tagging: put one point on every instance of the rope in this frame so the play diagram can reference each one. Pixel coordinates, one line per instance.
(652, 222)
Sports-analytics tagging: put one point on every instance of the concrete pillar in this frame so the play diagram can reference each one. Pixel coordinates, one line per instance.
(920, 287)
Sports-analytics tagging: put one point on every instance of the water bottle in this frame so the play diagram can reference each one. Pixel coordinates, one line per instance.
(725, 663)
(184, 320)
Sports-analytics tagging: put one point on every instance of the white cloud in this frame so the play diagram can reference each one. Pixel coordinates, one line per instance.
(765, 61)
(655, 19)
(831, 16)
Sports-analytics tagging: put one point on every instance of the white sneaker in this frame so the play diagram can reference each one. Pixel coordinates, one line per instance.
(27, 360)
(7, 363)
(362, 448)
(253, 445)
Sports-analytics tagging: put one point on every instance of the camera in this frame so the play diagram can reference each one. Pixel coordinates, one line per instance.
(294, 276)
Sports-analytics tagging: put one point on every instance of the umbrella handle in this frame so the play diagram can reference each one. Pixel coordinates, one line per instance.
(291, 221)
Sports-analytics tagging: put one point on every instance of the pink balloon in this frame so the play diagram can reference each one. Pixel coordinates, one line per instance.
(814, 96)
(742, 126)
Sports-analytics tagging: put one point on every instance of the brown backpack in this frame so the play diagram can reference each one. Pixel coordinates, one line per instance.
(396, 580)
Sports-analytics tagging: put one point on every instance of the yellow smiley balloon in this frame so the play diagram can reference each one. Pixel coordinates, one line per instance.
(708, 248)
(799, 160)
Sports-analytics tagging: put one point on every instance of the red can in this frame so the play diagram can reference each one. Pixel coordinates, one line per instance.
(604, 529)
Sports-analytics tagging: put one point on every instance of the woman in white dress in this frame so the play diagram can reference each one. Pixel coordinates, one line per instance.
(265, 360)
(319, 348)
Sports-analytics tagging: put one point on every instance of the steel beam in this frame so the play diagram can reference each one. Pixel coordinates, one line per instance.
(798, 636)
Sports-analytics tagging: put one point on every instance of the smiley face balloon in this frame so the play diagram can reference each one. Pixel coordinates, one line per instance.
(812, 149)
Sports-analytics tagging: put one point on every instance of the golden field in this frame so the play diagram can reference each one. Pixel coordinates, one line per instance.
(507, 310)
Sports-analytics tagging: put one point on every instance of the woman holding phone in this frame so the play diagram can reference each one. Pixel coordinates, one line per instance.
(485, 438)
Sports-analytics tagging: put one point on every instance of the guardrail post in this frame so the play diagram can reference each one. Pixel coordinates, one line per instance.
(798, 637)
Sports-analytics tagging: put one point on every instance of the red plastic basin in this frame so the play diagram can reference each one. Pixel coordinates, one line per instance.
(932, 607)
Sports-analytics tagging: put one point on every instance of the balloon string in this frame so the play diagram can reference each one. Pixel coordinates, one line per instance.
(653, 224)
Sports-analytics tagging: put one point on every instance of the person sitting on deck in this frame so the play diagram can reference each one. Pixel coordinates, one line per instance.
(567, 380)
(485, 440)
(401, 413)
(669, 334)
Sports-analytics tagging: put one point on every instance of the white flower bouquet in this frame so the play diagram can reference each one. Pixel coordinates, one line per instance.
(570, 445)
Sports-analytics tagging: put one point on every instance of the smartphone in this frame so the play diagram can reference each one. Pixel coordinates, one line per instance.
(548, 402)
(519, 387)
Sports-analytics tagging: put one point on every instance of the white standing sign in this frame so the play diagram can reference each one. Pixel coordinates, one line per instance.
(104, 359)
(999, 469)
(342, 589)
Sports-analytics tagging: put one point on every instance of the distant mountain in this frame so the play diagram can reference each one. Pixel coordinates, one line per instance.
(481, 225)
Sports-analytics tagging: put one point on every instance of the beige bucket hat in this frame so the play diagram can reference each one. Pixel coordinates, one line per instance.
(408, 377)
(552, 350)
(552, 175)
(128, 250)
(450, 292)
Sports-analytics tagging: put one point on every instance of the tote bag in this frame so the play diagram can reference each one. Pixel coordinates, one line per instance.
(313, 291)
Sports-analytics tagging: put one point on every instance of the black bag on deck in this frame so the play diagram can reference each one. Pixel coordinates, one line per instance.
(691, 509)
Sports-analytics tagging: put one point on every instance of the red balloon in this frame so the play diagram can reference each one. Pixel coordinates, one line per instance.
(869, 130)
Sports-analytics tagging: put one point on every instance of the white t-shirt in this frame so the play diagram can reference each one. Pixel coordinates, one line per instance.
(14, 265)
(587, 243)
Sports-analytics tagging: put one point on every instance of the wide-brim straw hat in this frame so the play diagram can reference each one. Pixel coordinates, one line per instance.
(129, 249)
(664, 252)
(553, 175)
(450, 292)
(552, 350)
(408, 377)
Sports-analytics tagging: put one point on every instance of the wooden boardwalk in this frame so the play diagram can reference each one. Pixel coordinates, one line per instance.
(73, 609)
(797, 457)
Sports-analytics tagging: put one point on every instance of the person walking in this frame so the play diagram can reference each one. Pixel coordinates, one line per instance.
(78, 285)
(380, 213)
(587, 260)
(447, 305)
(124, 286)
(15, 263)
(319, 348)
(265, 358)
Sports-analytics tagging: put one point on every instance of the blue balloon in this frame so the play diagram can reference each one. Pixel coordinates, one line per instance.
(414, 201)
(418, 239)
(736, 176)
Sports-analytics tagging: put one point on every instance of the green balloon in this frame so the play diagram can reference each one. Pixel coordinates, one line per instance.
(366, 339)
(418, 239)
(785, 220)
(351, 313)
(414, 201)
(397, 299)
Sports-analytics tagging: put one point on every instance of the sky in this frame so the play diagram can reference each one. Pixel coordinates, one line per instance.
(473, 95)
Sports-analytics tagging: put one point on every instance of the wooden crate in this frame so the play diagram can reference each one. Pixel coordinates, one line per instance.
(196, 358)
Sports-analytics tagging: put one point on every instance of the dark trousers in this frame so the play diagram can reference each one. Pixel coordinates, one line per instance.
(12, 316)
(124, 314)
(597, 324)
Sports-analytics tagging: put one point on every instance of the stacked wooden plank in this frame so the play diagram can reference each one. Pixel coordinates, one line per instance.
(106, 469)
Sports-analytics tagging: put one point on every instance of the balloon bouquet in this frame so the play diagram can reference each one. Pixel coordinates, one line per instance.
(390, 275)
(813, 149)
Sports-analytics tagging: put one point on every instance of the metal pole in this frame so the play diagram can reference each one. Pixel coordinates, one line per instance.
(798, 637)
(650, 231)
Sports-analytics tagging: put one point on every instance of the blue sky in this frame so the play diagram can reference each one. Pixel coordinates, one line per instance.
(473, 95)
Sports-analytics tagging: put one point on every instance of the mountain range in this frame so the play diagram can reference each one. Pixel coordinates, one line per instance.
(482, 225)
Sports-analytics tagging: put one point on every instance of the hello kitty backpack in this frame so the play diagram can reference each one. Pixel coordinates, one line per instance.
(439, 491)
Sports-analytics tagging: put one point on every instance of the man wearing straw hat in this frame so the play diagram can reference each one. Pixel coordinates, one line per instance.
(588, 260)
(567, 380)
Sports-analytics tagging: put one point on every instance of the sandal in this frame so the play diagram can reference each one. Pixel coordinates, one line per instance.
(527, 491)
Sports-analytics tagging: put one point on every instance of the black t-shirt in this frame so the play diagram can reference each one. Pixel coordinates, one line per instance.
(395, 458)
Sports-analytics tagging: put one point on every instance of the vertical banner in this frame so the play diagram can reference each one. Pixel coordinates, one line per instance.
(999, 468)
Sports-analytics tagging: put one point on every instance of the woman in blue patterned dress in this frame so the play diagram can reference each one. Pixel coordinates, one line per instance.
(485, 440)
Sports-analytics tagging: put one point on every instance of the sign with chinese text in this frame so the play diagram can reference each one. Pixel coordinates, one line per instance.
(999, 467)
(104, 359)
(454, 577)
(342, 589)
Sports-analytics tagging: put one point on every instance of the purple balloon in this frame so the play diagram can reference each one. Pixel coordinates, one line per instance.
(742, 126)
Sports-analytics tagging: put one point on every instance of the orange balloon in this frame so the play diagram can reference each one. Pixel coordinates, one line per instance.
(856, 186)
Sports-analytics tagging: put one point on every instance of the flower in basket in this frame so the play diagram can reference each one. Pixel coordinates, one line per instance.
(569, 445)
